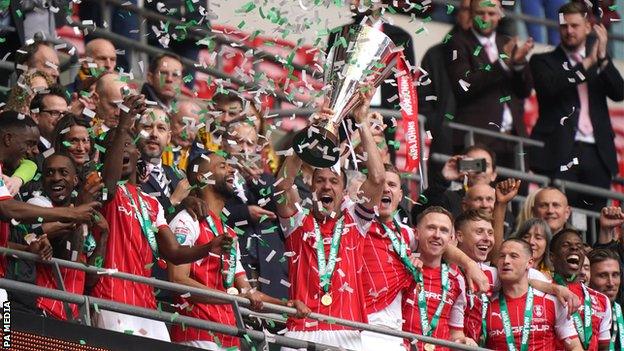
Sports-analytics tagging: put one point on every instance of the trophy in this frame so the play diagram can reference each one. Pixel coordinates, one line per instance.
(360, 53)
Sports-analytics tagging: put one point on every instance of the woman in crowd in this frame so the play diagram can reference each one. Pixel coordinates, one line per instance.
(73, 138)
(536, 232)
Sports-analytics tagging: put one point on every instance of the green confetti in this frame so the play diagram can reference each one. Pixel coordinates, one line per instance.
(99, 261)
(96, 308)
(2, 39)
(487, 3)
(18, 12)
(503, 56)
(241, 25)
(505, 99)
(175, 316)
(613, 7)
(40, 219)
(82, 342)
(477, 50)
(420, 30)
(188, 78)
(449, 9)
(422, 199)
(129, 331)
(449, 116)
(263, 218)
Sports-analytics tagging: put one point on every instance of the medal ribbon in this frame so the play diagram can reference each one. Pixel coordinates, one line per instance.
(144, 220)
(429, 327)
(400, 247)
(618, 327)
(584, 328)
(326, 267)
(484, 314)
(228, 279)
(409, 111)
(526, 325)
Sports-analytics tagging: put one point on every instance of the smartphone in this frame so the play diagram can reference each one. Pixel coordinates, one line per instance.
(476, 165)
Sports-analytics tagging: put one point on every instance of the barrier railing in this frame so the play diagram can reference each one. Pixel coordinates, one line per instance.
(184, 289)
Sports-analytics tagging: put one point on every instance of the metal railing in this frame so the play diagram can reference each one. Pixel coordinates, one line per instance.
(237, 301)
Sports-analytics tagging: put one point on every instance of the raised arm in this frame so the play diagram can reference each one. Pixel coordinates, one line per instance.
(505, 192)
(610, 218)
(285, 187)
(113, 163)
(372, 188)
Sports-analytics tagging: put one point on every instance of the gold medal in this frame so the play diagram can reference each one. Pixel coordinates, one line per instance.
(326, 300)
(232, 291)
(429, 347)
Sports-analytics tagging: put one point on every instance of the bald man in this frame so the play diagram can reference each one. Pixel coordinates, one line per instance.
(479, 197)
(183, 123)
(552, 206)
(102, 53)
(107, 94)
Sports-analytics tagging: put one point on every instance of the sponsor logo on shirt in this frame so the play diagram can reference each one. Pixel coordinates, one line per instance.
(518, 330)
(436, 296)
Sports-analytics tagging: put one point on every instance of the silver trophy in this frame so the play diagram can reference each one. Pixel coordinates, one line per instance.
(359, 53)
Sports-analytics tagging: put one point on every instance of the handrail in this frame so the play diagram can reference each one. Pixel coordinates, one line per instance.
(116, 38)
(506, 172)
(397, 114)
(587, 189)
(159, 315)
(230, 298)
(197, 30)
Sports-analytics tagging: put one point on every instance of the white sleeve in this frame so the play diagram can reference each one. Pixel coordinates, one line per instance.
(362, 216)
(239, 265)
(40, 201)
(564, 328)
(160, 217)
(185, 228)
(456, 319)
(537, 275)
(604, 333)
(289, 224)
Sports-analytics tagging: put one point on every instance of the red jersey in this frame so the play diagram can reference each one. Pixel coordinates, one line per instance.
(346, 283)
(384, 275)
(601, 316)
(549, 323)
(73, 279)
(208, 272)
(127, 249)
(4, 226)
(452, 315)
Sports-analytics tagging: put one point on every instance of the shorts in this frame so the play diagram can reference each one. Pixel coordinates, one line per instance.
(139, 326)
(348, 339)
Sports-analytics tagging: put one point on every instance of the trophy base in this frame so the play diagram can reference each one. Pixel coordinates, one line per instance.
(322, 154)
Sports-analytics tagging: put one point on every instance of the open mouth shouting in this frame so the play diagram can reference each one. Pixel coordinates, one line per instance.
(574, 262)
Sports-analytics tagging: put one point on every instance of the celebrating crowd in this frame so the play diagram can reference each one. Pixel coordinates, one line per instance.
(149, 181)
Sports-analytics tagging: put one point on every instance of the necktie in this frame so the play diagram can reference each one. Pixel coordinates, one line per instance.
(491, 51)
(159, 174)
(584, 122)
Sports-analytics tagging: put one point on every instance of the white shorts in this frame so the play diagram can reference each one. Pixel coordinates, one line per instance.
(203, 344)
(349, 339)
(139, 326)
(390, 318)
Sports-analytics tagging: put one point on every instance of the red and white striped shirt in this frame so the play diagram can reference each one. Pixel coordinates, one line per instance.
(452, 315)
(346, 284)
(4, 226)
(601, 316)
(208, 272)
(549, 323)
(384, 275)
(128, 250)
(73, 279)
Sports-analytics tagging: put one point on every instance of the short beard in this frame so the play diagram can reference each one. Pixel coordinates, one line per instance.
(222, 189)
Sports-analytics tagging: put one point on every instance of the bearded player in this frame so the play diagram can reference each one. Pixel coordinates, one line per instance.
(520, 317)
(326, 242)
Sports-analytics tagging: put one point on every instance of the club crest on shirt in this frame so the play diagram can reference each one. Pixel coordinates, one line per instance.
(538, 310)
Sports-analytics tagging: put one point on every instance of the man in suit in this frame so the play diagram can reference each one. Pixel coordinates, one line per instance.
(164, 80)
(163, 182)
(490, 78)
(46, 108)
(572, 84)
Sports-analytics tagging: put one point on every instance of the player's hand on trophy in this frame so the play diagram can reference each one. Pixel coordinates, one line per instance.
(366, 93)
(322, 115)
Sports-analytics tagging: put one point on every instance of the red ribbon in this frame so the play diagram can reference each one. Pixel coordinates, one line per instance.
(409, 110)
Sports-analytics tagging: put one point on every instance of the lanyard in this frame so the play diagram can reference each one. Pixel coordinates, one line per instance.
(144, 220)
(526, 325)
(484, 314)
(326, 267)
(400, 247)
(429, 327)
(583, 328)
(618, 327)
(228, 278)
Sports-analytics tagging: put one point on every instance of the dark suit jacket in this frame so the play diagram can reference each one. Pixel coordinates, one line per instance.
(480, 104)
(152, 187)
(557, 96)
